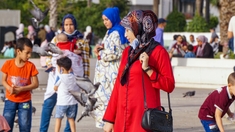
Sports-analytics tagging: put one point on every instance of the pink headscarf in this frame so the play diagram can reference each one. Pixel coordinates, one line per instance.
(31, 32)
(204, 40)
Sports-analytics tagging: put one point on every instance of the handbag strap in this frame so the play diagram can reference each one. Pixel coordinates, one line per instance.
(145, 102)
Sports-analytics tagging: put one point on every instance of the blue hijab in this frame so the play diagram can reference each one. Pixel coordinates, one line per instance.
(112, 13)
(76, 34)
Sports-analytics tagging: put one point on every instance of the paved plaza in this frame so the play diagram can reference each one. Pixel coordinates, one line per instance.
(185, 112)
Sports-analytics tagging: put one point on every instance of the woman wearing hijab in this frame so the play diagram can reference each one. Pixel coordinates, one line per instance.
(109, 54)
(144, 66)
(204, 49)
(20, 31)
(69, 27)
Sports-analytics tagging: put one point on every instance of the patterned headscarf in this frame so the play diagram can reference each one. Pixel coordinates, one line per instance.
(76, 34)
(142, 23)
(112, 13)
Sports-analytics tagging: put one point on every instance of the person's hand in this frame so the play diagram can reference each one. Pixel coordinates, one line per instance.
(16, 89)
(97, 48)
(108, 127)
(77, 51)
(231, 115)
(170, 55)
(144, 59)
(10, 89)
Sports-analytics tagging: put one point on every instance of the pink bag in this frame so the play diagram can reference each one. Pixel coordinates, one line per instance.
(4, 125)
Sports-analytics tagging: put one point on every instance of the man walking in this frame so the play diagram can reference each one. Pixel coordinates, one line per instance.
(159, 31)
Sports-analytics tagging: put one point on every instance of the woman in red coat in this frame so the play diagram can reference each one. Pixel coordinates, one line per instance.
(144, 63)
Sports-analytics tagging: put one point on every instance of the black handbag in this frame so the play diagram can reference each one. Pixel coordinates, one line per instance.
(157, 119)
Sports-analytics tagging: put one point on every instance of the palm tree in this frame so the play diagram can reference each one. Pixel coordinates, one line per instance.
(89, 3)
(155, 6)
(53, 14)
(175, 4)
(199, 5)
(207, 13)
(227, 10)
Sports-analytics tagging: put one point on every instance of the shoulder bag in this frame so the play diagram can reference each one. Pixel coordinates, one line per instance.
(156, 119)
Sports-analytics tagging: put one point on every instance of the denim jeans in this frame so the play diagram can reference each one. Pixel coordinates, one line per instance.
(210, 126)
(47, 109)
(24, 114)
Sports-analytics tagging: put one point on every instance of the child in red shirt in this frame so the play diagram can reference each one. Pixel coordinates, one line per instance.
(217, 105)
(19, 77)
(64, 44)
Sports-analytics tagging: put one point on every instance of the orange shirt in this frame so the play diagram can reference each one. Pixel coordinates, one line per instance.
(19, 76)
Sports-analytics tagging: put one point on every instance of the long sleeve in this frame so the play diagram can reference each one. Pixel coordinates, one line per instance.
(162, 76)
(112, 47)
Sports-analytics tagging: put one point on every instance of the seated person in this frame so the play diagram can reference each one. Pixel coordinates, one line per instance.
(189, 53)
(179, 48)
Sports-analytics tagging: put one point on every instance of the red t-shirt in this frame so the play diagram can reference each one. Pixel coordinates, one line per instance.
(19, 76)
(221, 99)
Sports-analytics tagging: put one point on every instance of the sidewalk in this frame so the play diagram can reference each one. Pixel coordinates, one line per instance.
(184, 110)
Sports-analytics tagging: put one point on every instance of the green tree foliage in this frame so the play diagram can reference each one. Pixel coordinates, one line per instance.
(85, 16)
(176, 22)
(198, 24)
(214, 21)
(93, 16)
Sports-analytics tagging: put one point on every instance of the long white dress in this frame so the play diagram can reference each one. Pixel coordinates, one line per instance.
(106, 72)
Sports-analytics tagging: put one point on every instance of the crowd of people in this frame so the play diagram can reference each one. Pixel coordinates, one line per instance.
(200, 47)
(131, 63)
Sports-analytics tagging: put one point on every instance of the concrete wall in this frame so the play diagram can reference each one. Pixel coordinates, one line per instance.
(189, 73)
(10, 18)
(201, 73)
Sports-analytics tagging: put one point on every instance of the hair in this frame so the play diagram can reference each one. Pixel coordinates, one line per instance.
(212, 28)
(190, 47)
(62, 37)
(64, 62)
(21, 42)
(192, 35)
(175, 36)
(231, 78)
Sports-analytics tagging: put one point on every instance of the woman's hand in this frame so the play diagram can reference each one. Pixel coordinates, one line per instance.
(144, 59)
(108, 127)
(97, 48)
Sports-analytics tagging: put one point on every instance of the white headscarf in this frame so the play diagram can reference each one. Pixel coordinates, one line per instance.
(47, 28)
(19, 31)
(88, 30)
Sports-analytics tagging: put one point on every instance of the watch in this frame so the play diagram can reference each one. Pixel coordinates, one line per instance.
(147, 69)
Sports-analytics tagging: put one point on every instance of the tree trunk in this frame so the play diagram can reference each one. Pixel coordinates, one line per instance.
(227, 10)
(89, 3)
(198, 7)
(175, 4)
(155, 6)
(207, 13)
(53, 14)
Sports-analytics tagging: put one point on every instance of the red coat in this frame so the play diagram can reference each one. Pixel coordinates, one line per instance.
(126, 105)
